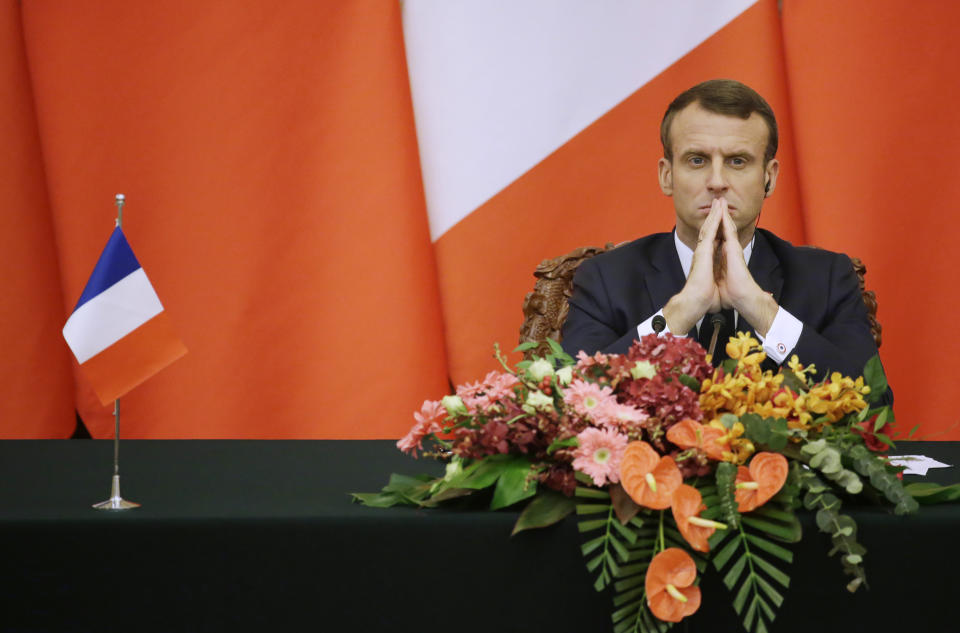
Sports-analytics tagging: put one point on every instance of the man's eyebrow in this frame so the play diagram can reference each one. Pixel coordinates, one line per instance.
(744, 153)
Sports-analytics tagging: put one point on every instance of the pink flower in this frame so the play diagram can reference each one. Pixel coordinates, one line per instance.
(478, 396)
(586, 398)
(586, 362)
(428, 420)
(622, 417)
(599, 454)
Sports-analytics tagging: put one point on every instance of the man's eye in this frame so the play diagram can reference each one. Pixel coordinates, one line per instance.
(697, 161)
(737, 161)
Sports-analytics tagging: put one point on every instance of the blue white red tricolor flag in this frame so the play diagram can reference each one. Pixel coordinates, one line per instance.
(119, 332)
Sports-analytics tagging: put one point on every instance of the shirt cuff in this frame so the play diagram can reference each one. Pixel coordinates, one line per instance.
(782, 336)
(647, 326)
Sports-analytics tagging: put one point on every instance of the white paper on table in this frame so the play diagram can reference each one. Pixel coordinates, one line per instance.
(917, 464)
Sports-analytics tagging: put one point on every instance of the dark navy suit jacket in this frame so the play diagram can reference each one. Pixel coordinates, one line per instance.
(615, 291)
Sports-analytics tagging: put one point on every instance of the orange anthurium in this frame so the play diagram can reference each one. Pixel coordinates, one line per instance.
(669, 583)
(765, 478)
(686, 506)
(691, 434)
(648, 478)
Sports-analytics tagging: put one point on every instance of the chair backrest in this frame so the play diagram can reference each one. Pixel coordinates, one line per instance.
(545, 308)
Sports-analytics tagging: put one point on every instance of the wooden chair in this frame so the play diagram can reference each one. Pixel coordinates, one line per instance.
(545, 308)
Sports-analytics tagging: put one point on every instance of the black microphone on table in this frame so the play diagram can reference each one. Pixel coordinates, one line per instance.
(659, 324)
(718, 321)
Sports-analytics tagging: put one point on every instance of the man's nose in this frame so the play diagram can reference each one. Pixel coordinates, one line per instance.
(717, 181)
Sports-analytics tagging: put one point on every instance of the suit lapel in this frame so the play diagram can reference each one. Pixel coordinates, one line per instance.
(765, 267)
(668, 278)
(766, 271)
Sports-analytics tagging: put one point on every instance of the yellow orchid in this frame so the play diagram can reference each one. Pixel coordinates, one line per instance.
(739, 448)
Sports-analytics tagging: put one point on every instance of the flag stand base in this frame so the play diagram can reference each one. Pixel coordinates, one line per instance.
(115, 502)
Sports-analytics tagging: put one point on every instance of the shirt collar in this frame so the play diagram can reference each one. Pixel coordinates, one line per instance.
(686, 253)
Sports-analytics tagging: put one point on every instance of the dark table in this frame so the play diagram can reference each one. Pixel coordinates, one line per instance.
(241, 535)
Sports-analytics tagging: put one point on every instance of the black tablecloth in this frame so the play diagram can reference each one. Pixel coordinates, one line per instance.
(262, 536)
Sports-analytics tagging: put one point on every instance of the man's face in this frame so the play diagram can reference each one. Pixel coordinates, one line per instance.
(716, 156)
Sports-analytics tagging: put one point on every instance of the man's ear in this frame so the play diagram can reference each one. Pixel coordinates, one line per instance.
(665, 174)
(770, 177)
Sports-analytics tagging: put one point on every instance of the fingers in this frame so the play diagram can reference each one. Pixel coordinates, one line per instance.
(708, 230)
(728, 227)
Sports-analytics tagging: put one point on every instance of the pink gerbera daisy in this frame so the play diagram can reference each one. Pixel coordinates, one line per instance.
(615, 415)
(599, 454)
(428, 420)
(586, 397)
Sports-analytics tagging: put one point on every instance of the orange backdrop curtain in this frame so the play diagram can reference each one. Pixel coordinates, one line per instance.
(270, 163)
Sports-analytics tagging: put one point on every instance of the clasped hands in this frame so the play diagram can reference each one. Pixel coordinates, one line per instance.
(719, 279)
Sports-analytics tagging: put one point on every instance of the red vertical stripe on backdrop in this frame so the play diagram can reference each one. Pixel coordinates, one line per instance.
(599, 187)
(269, 160)
(36, 388)
(874, 88)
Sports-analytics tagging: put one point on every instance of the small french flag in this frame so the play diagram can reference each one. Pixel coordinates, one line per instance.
(119, 332)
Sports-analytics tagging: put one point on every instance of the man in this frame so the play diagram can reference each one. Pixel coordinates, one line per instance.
(719, 146)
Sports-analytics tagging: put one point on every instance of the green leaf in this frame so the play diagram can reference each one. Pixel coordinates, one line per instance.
(514, 484)
(875, 377)
(775, 596)
(591, 493)
(627, 595)
(589, 526)
(732, 576)
(558, 444)
(482, 473)
(555, 347)
(380, 499)
(796, 384)
(772, 571)
(788, 533)
(771, 548)
(772, 512)
(726, 475)
(728, 420)
(591, 508)
(882, 418)
(620, 549)
(825, 520)
(741, 597)
(547, 508)
(522, 347)
(690, 382)
(594, 562)
(592, 545)
(751, 612)
(729, 365)
(625, 532)
(928, 493)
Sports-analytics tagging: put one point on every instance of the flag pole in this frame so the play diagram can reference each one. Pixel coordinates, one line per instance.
(116, 502)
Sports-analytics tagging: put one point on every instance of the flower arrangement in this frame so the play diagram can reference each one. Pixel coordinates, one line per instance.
(669, 464)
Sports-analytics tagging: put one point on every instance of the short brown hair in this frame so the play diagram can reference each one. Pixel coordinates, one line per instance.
(722, 96)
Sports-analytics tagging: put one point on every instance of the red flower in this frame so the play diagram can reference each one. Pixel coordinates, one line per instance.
(672, 354)
(869, 436)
